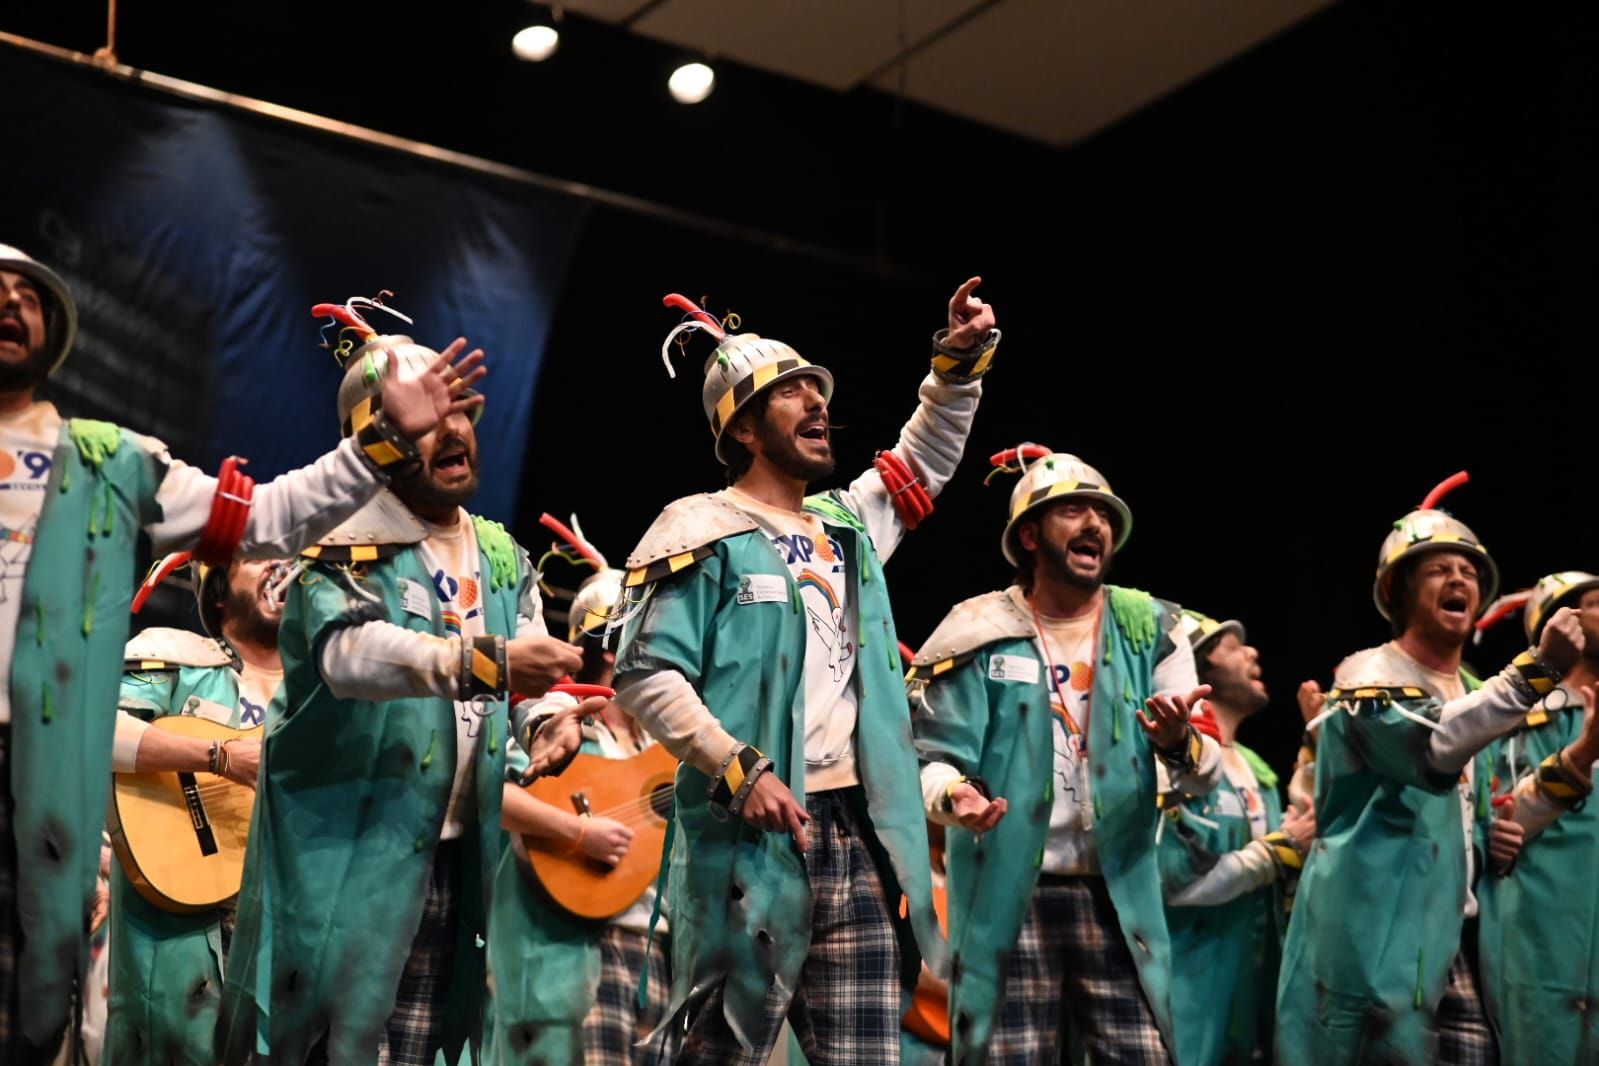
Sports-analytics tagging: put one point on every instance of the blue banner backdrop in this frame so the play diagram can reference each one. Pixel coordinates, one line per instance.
(196, 240)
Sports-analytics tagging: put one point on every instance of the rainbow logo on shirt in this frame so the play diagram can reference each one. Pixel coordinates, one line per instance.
(810, 579)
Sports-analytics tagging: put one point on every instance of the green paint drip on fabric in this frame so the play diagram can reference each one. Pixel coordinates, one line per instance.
(500, 550)
(96, 441)
(491, 743)
(1134, 612)
(109, 499)
(88, 603)
(38, 612)
(48, 702)
(1420, 958)
(433, 746)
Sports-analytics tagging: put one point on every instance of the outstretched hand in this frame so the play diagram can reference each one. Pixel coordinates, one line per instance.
(1167, 721)
(970, 319)
(417, 405)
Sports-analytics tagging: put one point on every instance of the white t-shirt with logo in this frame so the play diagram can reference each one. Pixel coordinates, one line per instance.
(820, 572)
(27, 444)
(1067, 644)
(257, 686)
(450, 555)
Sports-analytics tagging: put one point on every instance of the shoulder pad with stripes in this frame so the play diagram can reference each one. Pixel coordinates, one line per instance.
(160, 648)
(683, 534)
(970, 627)
(382, 528)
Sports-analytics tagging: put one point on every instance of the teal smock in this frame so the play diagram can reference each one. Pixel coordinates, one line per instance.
(739, 899)
(1539, 929)
(166, 968)
(352, 797)
(978, 719)
(1224, 957)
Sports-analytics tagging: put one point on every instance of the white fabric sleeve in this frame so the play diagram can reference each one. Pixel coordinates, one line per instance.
(669, 709)
(931, 443)
(936, 778)
(1535, 811)
(1475, 720)
(1235, 873)
(125, 743)
(382, 661)
(286, 513)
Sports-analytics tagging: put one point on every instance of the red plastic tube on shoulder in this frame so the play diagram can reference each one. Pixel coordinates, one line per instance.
(230, 512)
(904, 488)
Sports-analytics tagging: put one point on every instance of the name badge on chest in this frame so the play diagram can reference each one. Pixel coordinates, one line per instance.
(1013, 668)
(762, 588)
(414, 599)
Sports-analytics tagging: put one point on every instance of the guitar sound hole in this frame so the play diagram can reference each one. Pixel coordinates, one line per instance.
(661, 800)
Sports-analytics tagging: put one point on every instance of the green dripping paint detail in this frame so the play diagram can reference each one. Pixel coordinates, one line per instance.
(491, 743)
(370, 375)
(500, 550)
(721, 360)
(1115, 725)
(794, 597)
(110, 500)
(1420, 956)
(66, 478)
(88, 603)
(1134, 612)
(96, 441)
(48, 701)
(38, 612)
(421, 844)
(1099, 813)
(433, 746)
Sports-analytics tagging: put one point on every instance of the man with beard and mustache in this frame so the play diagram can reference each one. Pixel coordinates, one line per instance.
(377, 819)
(1540, 920)
(758, 646)
(1035, 696)
(1227, 859)
(166, 967)
(1373, 965)
(75, 495)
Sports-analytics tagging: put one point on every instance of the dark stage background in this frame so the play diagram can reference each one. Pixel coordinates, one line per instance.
(1274, 308)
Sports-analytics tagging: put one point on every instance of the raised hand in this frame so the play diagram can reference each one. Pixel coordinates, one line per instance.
(1167, 721)
(1561, 641)
(1505, 836)
(415, 406)
(1312, 700)
(970, 319)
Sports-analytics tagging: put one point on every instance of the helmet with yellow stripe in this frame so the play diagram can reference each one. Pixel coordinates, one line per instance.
(1049, 478)
(1552, 592)
(368, 358)
(1202, 630)
(1428, 529)
(742, 366)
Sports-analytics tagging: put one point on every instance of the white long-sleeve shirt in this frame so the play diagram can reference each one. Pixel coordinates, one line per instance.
(931, 442)
(286, 513)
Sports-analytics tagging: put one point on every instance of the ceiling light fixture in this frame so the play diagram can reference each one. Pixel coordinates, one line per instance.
(691, 83)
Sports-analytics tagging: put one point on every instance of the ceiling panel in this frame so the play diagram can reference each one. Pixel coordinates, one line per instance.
(832, 43)
(1058, 72)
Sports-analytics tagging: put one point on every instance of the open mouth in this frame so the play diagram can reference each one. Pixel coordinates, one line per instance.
(452, 460)
(12, 331)
(273, 590)
(1455, 604)
(816, 431)
(1087, 550)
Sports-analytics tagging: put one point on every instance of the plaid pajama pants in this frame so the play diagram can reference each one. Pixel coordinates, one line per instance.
(615, 1024)
(416, 1028)
(846, 1010)
(1464, 1036)
(1071, 953)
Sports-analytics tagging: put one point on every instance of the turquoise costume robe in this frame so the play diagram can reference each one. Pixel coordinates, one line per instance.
(1224, 957)
(979, 717)
(352, 798)
(739, 898)
(1539, 931)
(166, 968)
(1378, 915)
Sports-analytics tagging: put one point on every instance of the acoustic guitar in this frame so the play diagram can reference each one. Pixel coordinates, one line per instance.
(181, 836)
(636, 792)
